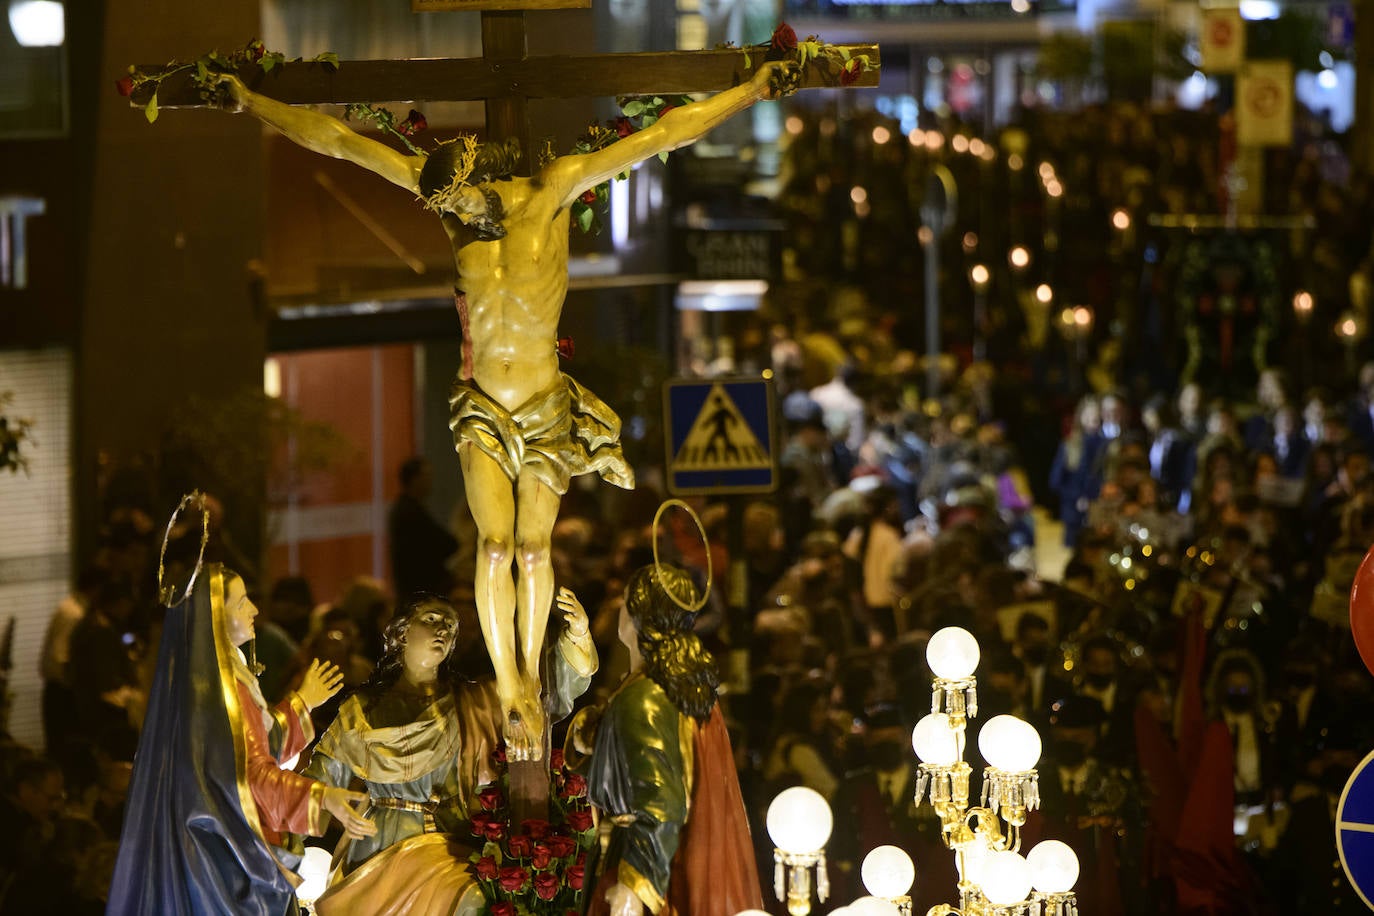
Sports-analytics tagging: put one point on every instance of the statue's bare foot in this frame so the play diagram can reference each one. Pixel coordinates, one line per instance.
(524, 729)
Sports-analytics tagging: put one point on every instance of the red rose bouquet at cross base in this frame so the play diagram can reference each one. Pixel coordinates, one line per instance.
(536, 867)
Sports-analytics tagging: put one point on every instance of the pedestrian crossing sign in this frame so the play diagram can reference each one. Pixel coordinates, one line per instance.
(720, 436)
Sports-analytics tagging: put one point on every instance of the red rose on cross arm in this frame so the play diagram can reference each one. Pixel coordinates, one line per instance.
(491, 798)
(520, 846)
(565, 347)
(556, 759)
(540, 857)
(512, 878)
(581, 821)
(588, 197)
(560, 847)
(485, 868)
(125, 87)
(849, 73)
(623, 127)
(784, 38)
(574, 877)
(504, 908)
(546, 886)
(416, 121)
(538, 829)
(575, 786)
(256, 50)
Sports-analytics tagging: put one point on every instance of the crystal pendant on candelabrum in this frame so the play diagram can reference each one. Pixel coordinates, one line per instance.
(943, 785)
(1010, 794)
(955, 697)
(792, 879)
(1064, 904)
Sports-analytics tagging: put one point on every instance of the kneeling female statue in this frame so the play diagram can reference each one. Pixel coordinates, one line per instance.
(420, 738)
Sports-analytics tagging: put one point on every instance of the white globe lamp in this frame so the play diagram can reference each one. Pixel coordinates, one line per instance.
(1009, 744)
(888, 872)
(314, 873)
(935, 741)
(872, 906)
(974, 860)
(952, 653)
(1054, 867)
(799, 821)
(1006, 879)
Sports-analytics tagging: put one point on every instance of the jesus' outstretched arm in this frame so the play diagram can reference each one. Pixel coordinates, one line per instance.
(326, 135)
(569, 176)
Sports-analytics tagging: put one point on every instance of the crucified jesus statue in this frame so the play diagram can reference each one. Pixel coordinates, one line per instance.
(522, 429)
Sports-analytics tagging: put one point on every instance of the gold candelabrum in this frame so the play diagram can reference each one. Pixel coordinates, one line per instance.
(994, 878)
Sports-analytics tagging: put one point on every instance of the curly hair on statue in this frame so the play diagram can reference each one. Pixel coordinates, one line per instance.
(389, 667)
(674, 657)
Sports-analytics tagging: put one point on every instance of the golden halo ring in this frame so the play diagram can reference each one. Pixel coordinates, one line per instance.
(658, 566)
(166, 592)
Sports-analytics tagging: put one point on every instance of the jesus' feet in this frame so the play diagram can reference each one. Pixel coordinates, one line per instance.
(524, 728)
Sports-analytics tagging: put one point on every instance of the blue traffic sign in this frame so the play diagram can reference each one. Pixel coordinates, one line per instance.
(720, 436)
(1355, 830)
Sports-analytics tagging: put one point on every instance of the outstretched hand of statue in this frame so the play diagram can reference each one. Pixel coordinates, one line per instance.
(623, 901)
(229, 92)
(340, 802)
(778, 79)
(322, 680)
(574, 615)
(576, 639)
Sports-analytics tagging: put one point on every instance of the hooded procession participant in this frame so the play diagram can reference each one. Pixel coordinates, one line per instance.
(208, 796)
(663, 773)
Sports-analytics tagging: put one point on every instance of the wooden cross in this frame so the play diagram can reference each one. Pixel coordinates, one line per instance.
(505, 77)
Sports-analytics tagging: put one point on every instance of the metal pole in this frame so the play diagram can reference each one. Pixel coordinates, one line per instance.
(933, 316)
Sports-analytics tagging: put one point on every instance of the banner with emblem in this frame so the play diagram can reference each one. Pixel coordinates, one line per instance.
(1264, 103)
(1222, 41)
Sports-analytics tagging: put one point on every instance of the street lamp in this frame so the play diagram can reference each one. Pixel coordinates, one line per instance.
(1302, 305)
(37, 23)
(799, 823)
(1019, 257)
(979, 276)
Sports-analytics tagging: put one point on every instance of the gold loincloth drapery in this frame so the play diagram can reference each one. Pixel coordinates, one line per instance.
(560, 433)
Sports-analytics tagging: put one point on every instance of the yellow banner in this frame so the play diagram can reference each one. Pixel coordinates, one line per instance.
(1264, 103)
(1222, 41)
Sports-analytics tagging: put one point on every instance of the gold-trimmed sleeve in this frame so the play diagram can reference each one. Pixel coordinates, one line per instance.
(303, 714)
(318, 817)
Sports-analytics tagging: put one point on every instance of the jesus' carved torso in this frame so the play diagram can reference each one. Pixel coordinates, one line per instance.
(513, 289)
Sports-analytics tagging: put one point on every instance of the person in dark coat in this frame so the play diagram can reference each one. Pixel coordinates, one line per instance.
(1076, 473)
(420, 546)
